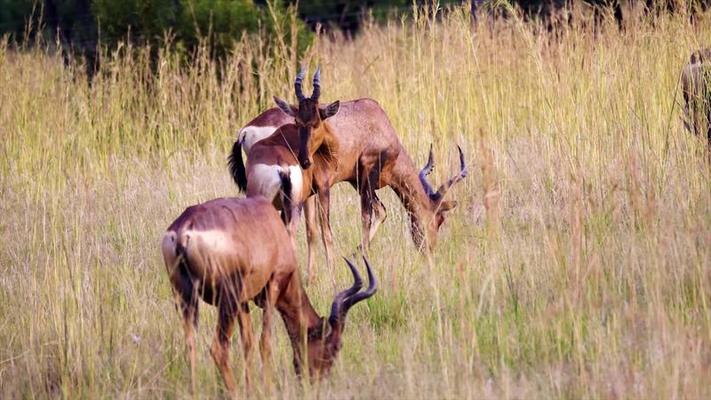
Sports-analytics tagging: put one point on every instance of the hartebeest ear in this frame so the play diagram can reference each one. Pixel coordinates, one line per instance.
(284, 106)
(330, 110)
(446, 205)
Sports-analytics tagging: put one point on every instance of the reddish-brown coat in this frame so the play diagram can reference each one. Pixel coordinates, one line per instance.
(231, 251)
(369, 157)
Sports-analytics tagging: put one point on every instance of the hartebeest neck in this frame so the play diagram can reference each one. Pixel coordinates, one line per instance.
(297, 311)
(408, 188)
(325, 142)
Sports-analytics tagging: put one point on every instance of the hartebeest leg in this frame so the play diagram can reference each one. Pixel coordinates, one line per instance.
(245, 329)
(190, 313)
(186, 299)
(379, 215)
(373, 211)
(292, 224)
(324, 197)
(220, 349)
(311, 232)
(272, 293)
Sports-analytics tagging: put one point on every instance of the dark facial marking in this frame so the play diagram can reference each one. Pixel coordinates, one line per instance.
(307, 114)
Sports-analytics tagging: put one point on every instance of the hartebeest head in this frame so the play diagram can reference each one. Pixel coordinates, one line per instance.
(325, 340)
(308, 116)
(438, 205)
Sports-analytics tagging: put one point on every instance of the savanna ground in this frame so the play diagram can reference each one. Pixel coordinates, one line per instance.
(578, 263)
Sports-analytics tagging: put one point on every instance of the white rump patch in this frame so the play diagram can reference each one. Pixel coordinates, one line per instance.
(265, 179)
(297, 183)
(216, 240)
(250, 134)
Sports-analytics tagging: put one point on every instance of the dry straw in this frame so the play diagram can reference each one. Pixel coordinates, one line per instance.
(577, 264)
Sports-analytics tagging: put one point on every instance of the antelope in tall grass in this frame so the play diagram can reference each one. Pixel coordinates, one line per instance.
(696, 90)
(366, 153)
(229, 251)
(292, 147)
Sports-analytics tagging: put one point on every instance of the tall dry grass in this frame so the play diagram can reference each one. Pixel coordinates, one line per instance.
(578, 263)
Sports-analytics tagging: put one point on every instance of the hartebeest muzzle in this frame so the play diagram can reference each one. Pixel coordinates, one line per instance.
(303, 155)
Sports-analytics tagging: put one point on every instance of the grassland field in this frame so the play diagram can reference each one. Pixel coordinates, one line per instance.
(577, 264)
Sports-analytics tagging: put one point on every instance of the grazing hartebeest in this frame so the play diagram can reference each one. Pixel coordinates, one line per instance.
(230, 251)
(369, 156)
(696, 89)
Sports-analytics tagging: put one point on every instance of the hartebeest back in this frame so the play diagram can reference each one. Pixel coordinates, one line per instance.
(230, 251)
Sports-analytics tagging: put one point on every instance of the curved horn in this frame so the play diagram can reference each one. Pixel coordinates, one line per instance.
(456, 178)
(317, 84)
(348, 298)
(341, 296)
(423, 175)
(297, 84)
(369, 292)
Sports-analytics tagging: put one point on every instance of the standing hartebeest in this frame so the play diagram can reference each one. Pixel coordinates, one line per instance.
(696, 89)
(292, 147)
(369, 156)
(229, 251)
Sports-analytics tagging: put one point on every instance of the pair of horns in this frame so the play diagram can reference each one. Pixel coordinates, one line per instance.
(348, 298)
(316, 83)
(439, 194)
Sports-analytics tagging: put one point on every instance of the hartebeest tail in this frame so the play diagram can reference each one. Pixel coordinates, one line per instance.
(232, 251)
(286, 196)
(236, 165)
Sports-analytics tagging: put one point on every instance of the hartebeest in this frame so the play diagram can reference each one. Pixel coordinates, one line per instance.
(291, 148)
(369, 156)
(229, 251)
(696, 89)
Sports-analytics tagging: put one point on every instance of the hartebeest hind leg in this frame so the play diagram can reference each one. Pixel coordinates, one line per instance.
(188, 305)
(220, 349)
(245, 329)
(186, 298)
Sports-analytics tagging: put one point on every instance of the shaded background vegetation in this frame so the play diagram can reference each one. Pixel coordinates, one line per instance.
(81, 25)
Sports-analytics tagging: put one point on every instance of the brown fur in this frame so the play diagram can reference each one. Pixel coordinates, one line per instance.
(369, 157)
(231, 251)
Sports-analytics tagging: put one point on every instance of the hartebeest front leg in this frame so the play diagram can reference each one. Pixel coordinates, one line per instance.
(324, 196)
(311, 232)
(271, 296)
